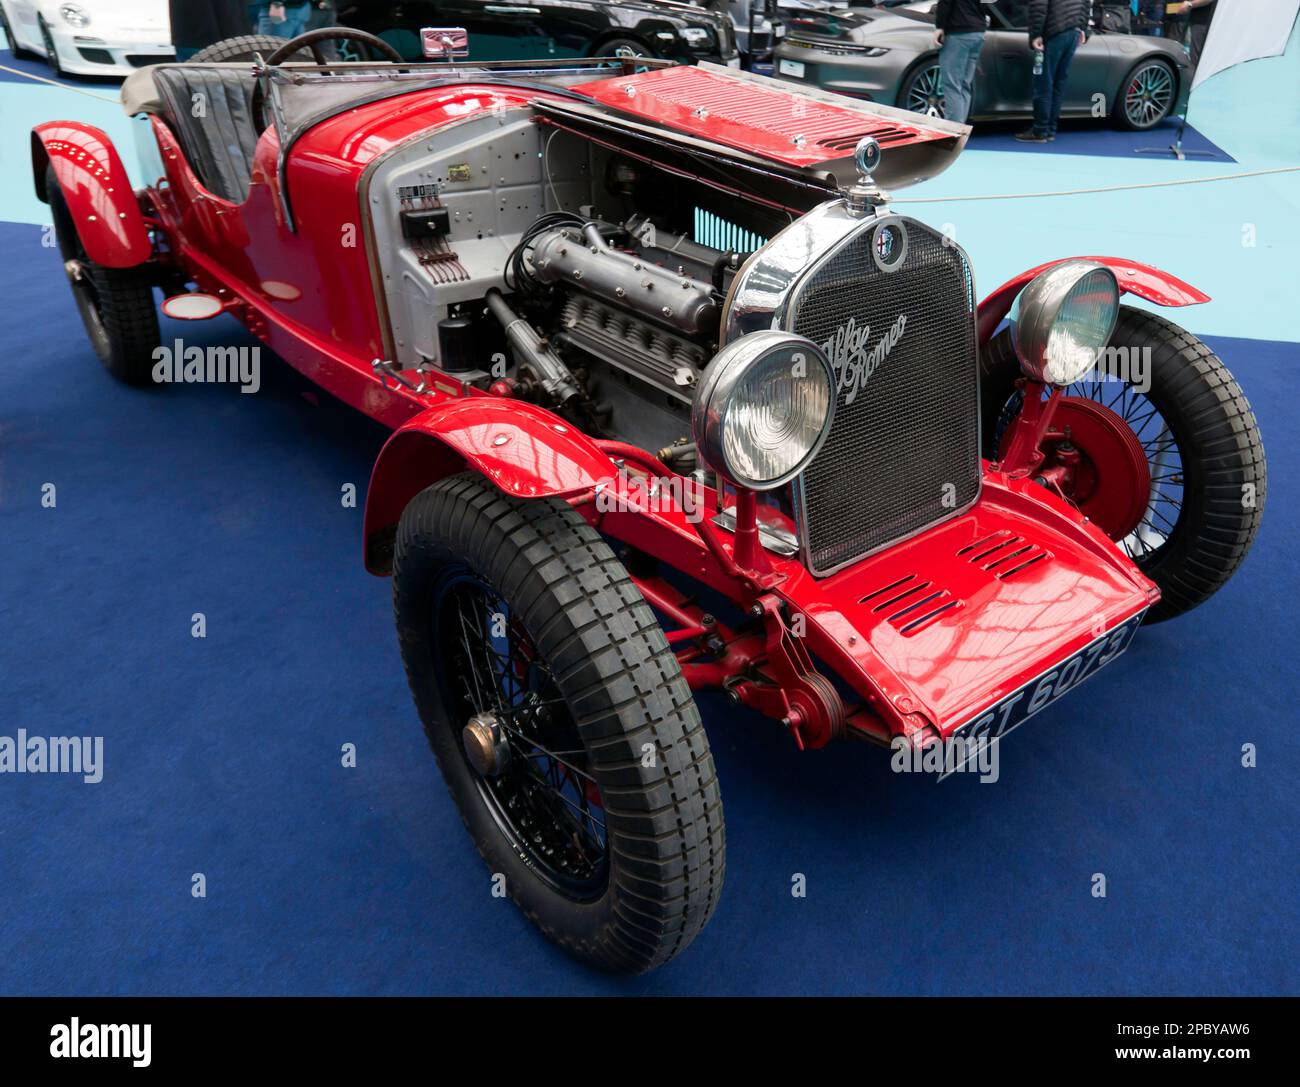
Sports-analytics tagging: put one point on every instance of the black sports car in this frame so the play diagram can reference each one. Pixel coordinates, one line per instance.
(889, 56)
(542, 29)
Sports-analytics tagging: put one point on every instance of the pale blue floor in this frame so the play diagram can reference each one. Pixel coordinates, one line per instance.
(1237, 240)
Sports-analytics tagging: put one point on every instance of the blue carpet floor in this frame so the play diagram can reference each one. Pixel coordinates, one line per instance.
(1098, 139)
(223, 754)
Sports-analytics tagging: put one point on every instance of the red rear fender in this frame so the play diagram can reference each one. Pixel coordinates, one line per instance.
(96, 188)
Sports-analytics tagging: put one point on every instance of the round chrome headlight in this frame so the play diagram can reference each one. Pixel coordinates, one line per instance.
(763, 409)
(1063, 320)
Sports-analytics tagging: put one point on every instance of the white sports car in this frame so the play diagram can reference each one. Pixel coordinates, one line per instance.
(93, 37)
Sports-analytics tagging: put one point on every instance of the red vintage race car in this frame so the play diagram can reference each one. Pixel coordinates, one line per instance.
(679, 403)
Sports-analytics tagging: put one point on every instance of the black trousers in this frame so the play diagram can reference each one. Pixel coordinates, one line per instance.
(199, 23)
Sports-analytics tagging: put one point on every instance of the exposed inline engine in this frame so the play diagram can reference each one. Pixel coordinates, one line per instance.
(626, 314)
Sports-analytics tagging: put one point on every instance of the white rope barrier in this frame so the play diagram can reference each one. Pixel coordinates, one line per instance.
(1099, 189)
(56, 83)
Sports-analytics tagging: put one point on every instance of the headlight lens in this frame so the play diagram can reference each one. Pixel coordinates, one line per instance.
(697, 37)
(763, 409)
(74, 15)
(1063, 320)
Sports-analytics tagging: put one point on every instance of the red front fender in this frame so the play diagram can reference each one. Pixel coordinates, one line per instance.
(97, 190)
(1134, 278)
(524, 450)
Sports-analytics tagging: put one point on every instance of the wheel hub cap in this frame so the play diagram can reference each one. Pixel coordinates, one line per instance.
(485, 744)
(1110, 477)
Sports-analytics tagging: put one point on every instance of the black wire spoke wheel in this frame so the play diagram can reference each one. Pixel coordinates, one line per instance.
(1162, 504)
(1148, 94)
(1127, 470)
(560, 720)
(1157, 446)
(542, 793)
(924, 91)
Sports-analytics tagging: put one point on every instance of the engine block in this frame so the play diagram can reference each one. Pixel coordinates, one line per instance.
(670, 362)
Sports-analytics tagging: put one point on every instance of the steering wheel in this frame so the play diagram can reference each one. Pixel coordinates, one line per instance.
(312, 41)
(313, 38)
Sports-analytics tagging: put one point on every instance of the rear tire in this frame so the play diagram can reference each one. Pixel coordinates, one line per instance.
(580, 639)
(116, 304)
(1215, 454)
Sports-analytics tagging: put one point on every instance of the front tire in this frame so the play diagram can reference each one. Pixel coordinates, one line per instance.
(922, 90)
(116, 304)
(20, 52)
(1147, 96)
(599, 802)
(1205, 478)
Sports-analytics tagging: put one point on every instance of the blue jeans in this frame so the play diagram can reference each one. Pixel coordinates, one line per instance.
(1049, 88)
(295, 21)
(1154, 10)
(957, 60)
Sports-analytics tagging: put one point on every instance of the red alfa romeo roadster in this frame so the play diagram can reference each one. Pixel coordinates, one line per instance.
(678, 403)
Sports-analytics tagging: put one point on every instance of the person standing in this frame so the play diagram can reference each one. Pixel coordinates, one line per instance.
(1151, 19)
(197, 24)
(1198, 13)
(959, 30)
(322, 15)
(283, 18)
(1056, 29)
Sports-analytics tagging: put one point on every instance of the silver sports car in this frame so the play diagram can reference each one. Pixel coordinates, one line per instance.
(888, 55)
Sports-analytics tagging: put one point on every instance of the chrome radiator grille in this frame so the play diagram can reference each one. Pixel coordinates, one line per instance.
(903, 451)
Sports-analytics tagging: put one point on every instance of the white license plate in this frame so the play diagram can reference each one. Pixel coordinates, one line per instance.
(791, 67)
(734, 62)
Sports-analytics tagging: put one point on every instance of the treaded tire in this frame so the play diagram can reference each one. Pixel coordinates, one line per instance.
(116, 304)
(1120, 113)
(1218, 441)
(908, 82)
(243, 47)
(624, 688)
